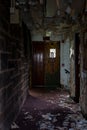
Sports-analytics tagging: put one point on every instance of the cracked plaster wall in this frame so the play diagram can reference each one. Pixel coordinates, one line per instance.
(65, 63)
(72, 69)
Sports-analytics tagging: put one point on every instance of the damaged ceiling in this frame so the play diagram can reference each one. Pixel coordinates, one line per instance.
(51, 14)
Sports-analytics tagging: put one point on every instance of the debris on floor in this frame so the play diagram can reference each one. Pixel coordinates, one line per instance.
(14, 126)
(29, 117)
(50, 111)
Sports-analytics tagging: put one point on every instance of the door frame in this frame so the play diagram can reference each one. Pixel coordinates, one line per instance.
(77, 67)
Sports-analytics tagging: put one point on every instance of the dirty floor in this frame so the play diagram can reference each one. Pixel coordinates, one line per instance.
(47, 109)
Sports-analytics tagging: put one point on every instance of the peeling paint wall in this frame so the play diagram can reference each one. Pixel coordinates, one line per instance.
(72, 69)
(65, 63)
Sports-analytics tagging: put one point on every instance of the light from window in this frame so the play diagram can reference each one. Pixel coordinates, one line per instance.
(52, 53)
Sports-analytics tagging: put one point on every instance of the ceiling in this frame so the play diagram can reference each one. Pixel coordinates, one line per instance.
(51, 14)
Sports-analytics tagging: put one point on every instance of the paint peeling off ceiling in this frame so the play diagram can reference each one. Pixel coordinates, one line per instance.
(51, 14)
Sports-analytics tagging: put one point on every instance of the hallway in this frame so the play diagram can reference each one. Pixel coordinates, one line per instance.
(43, 43)
(47, 109)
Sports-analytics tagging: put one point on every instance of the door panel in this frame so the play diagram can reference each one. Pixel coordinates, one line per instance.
(52, 65)
(38, 64)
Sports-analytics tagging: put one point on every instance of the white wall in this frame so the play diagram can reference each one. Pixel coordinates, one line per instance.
(39, 37)
(65, 63)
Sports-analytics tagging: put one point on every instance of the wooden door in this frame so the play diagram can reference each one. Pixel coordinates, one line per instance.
(52, 64)
(38, 64)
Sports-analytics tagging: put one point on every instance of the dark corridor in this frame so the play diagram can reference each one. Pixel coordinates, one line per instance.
(23, 22)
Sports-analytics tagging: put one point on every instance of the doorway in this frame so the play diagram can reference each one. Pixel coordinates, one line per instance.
(46, 64)
(77, 67)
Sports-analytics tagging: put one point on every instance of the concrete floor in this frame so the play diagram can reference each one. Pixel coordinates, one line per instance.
(47, 109)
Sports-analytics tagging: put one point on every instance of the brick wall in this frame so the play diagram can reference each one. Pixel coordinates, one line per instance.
(14, 68)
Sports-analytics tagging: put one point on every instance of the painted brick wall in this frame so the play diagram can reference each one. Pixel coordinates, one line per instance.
(14, 68)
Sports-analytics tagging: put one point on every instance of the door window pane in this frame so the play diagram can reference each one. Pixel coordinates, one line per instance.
(52, 53)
